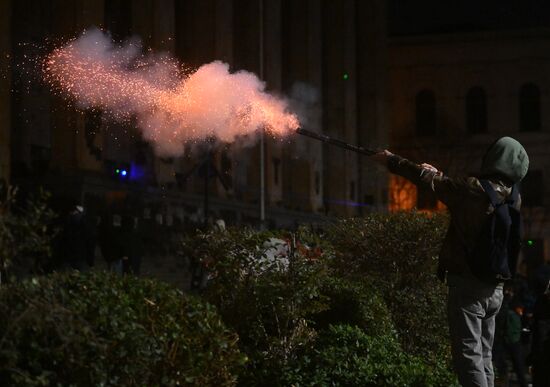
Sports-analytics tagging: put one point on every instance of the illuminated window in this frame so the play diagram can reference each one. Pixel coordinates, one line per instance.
(404, 195)
(401, 194)
(476, 110)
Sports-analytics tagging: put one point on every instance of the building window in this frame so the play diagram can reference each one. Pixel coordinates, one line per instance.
(276, 166)
(92, 126)
(40, 159)
(118, 18)
(532, 189)
(368, 200)
(245, 35)
(352, 190)
(225, 163)
(476, 110)
(226, 166)
(317, 183)
(425, 113)
(529, 108)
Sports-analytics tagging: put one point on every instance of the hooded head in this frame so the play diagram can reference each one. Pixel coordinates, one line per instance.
(506, 159)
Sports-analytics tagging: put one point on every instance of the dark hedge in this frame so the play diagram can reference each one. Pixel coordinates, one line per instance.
(98, 329)
(375, 274)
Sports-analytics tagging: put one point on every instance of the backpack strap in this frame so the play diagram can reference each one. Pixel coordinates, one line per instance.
(510, 200)
(514, 195)
(490, 191)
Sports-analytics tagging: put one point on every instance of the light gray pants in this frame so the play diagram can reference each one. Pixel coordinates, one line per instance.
(472, 306)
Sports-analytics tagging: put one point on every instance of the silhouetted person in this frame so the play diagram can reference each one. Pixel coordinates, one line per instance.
(132, 248)
(512, 340)
(76, 241)
(110, 240)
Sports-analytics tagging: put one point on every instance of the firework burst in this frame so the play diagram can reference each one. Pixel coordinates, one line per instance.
(170, 104)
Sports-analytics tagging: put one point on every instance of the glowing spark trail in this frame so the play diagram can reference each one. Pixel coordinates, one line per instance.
(171, 107)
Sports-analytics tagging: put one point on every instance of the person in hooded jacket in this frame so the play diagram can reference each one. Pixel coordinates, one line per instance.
(472, 304)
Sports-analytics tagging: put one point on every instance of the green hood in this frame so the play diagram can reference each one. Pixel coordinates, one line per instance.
(506, 159)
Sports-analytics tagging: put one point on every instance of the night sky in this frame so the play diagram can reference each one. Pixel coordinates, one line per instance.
(419, 17)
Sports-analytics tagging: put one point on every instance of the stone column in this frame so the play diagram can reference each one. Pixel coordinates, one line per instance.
(5, 88)
(339, 105)
(272, 77)
(224, 30)
(89, 136)
(156, 23)
(315, 79)
(349, 77)
(245, 26)
(63, 118)
(373, 124)
(222, 19)
(302, 69)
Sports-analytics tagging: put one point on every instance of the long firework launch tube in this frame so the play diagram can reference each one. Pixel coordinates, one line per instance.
(334, 141)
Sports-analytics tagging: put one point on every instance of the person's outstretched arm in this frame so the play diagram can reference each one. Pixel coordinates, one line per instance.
(425, 175)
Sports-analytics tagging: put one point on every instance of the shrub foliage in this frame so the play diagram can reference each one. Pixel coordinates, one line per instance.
(265, 289)
(26, 233)
(357, 304)
(398, 254)
(100, 329)
(375, 276)
(345, 355)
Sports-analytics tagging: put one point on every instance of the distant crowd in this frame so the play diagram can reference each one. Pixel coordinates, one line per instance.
(522, 334)
(120, 237)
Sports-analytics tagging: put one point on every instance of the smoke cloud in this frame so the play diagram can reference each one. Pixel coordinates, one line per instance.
(171, 105)
(306, 104)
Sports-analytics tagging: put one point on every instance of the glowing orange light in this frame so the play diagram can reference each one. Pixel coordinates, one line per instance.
(403, 196)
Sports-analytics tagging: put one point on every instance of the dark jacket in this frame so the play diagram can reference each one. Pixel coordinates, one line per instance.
(504, 164)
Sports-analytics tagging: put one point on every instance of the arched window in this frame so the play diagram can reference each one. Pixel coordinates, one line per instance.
(425, 113)
(532, 189)
(529, 108)
(476, 110)
(118, 18)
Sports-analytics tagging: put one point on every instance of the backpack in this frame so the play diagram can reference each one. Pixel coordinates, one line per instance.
(495, 253)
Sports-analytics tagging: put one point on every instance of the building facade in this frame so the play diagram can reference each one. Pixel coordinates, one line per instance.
(452, 95)
(5, 86)
(329, 55)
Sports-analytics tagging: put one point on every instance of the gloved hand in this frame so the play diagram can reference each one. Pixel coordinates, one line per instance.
(431, 168)
(382, 157)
